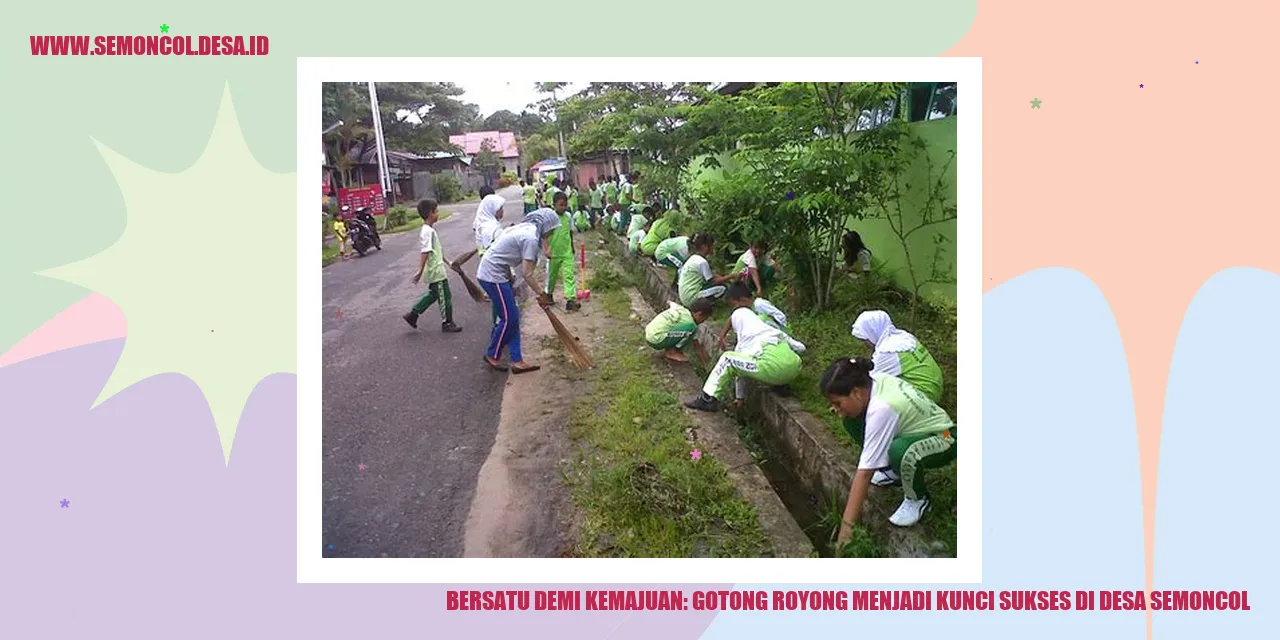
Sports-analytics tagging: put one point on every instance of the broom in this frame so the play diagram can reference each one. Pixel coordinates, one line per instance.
(584, 293)
(474, 289)
(577, 355)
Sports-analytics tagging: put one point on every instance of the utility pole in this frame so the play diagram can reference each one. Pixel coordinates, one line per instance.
(384, 174)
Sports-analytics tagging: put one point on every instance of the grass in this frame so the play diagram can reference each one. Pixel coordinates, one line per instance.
(641, 494)
(329, 255)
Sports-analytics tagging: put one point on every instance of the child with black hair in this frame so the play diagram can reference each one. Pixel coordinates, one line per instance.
(431, 271)
(695, 278)
(896, 427)
(673, 329)
(857, 257)
(755, 268)
(561, 265)
(582, 219)
(763, 353)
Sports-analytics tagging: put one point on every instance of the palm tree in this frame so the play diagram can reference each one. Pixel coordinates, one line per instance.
(345, 138)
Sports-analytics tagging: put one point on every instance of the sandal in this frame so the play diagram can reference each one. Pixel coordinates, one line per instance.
(495, 365)
(527, 369)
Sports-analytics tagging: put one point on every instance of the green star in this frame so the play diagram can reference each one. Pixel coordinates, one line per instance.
(177, 285)
(1035, 103)
(164, 28)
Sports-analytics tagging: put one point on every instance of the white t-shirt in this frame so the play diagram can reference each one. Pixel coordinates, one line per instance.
(864, 260)
(749, 259)
(753, 334)
(698, 264)
(427, 237)
(881, 429)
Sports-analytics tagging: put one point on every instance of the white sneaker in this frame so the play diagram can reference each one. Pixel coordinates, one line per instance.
(885, 478)
(909, 512)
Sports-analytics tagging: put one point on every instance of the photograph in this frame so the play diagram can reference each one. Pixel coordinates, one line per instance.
(639, 319)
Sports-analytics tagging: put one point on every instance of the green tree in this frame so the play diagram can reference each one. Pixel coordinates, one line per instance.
(807, 173)
(488, 162)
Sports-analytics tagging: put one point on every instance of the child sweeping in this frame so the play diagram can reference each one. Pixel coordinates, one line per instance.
(763, 353)
(898, 353)
(431, 271)
(695, 279)
(897, 429)
(519, 246)
(673, 329)
(561, 265)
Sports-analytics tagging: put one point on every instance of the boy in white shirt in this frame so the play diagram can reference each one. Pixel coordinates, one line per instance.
(763, 353)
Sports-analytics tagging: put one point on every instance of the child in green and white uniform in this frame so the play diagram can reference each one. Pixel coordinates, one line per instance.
(898, 353)
(431, 271)
(635, 238)
(639, 219)
(572, 192)
(611, 192)
(615, 218)
(661, 230)
(672, 252)
(775, 318)
(582, 220)
(904, 432)
(755, 268)
(530, 196)
(561, 246)
(673, 329)
(597, 202)
(762, 354)
(695, 279)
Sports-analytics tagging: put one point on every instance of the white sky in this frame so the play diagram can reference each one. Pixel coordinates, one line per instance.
(512, 96)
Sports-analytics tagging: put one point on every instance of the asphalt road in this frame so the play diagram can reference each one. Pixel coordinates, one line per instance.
(418, 409)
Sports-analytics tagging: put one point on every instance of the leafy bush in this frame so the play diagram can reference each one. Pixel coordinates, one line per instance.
(447, 187)
(399, 216)
(507, 179)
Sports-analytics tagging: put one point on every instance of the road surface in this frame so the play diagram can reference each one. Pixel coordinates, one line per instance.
(409, 416)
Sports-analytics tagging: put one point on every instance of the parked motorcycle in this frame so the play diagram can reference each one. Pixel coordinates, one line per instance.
(364, 232)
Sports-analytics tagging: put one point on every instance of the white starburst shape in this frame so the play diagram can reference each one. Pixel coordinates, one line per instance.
(204, 272)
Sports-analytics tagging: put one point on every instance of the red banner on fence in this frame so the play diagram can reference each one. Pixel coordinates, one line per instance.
(370, 197)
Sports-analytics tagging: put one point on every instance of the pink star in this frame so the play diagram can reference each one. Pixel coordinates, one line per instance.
(362, 466)
(695, 454)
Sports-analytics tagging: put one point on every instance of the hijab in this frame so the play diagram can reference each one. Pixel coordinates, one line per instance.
(545, 219)
(877, 327)
(487, 219)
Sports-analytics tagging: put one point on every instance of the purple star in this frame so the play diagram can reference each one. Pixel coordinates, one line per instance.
(65, 503)
(791, 195)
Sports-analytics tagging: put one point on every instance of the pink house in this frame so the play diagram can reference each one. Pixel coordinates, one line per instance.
(504, 144)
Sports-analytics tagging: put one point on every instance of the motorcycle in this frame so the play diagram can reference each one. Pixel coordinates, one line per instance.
(364, 232)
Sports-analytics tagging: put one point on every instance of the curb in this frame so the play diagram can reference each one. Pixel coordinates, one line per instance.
(820, 463)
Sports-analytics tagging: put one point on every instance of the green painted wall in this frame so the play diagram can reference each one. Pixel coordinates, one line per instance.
(876, 233)
(885, 246)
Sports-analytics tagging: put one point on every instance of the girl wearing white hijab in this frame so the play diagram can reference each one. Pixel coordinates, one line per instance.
(898, 353)
(486, 228)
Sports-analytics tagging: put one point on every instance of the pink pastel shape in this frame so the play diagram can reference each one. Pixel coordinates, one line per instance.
(94, 318)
